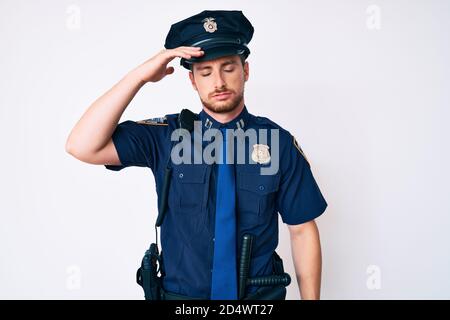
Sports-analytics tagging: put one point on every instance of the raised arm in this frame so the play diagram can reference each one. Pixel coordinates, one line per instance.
(90, 140)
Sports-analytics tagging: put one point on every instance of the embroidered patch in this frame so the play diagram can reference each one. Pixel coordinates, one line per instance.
(161, 121)
(299, 149)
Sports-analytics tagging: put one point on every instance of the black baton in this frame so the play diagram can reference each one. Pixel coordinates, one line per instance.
(244, 265)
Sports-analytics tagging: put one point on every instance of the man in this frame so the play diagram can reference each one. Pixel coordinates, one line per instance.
(212, 205)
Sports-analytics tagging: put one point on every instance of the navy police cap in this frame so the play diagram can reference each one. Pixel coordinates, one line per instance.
(218, 32)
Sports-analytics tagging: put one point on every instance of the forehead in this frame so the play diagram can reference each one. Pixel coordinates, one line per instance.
(216, 62)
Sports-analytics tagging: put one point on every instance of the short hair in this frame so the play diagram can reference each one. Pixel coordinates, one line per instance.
(241, 57)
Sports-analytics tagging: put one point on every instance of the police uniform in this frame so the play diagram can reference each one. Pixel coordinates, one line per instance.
(187, 233)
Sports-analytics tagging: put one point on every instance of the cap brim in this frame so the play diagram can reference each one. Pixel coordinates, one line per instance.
(215, 52)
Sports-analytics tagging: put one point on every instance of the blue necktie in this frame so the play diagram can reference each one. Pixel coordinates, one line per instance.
(224, 273)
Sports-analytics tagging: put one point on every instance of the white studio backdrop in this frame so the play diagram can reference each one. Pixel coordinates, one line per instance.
(362, 85)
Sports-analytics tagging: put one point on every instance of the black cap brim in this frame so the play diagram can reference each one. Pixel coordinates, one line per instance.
(215, 52)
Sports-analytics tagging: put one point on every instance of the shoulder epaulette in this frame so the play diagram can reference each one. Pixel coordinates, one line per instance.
(160, 121)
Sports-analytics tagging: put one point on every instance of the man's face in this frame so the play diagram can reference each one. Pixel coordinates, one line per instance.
(221, 75)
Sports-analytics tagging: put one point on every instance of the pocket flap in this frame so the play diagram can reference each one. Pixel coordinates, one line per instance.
(190, 173)
(255, 182)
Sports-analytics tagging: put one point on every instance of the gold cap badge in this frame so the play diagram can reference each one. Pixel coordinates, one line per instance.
(209, 24)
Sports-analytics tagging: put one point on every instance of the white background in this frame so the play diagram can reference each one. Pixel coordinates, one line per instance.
(363, 85)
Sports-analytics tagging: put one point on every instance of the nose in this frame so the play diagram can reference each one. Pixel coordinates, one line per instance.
(219, 83)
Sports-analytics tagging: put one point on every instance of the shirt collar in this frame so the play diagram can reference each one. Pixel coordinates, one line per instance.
(239, 122)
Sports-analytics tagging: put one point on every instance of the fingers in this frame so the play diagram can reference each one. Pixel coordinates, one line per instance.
(170, 70)
(186, 52)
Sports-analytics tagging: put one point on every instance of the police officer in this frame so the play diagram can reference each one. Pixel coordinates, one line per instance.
(212, 205)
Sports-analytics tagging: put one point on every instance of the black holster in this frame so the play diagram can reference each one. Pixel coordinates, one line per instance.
(275, 292)
(147, 275)
(277, 264)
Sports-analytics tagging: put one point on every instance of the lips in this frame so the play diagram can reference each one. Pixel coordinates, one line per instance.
(222, 95)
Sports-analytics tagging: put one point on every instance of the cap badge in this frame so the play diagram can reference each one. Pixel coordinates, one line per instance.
(261, 153)
(209, 24)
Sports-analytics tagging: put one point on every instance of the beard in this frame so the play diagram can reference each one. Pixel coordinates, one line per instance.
(224, 106)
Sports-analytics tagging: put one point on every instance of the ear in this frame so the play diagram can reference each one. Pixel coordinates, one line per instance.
(246, 71)
(191, 76)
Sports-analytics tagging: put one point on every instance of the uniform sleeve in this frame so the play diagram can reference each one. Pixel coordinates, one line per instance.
(135, 145)
(299, 199)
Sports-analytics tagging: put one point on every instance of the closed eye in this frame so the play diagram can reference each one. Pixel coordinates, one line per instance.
(207, 74)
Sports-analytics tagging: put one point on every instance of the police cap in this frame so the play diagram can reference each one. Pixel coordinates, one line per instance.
(218, 32)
